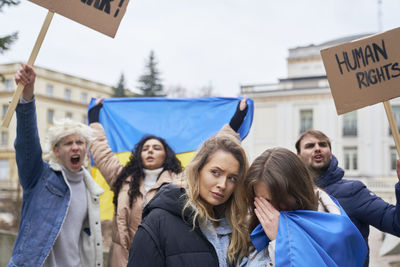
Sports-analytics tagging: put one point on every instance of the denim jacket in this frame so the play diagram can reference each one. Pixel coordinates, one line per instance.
(46, 198)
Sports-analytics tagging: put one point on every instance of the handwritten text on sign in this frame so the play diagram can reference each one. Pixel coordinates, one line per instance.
(361, 57)
(101, 15)
(364, 72)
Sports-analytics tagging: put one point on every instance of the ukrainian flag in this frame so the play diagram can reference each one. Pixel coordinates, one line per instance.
(184, 123)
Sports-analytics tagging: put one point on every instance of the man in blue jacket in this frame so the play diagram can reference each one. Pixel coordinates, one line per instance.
(60, 215)
(362, 206)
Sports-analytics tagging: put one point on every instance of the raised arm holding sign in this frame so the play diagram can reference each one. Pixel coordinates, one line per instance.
(360, 73)
(31, 62)
(101, 15)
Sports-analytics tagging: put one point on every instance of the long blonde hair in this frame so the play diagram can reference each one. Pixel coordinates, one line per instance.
(235, 208)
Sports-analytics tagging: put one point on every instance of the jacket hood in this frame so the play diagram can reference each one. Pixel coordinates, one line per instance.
(331, 175)
(171, 198)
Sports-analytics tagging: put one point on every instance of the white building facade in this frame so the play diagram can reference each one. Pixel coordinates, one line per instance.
(361, 140)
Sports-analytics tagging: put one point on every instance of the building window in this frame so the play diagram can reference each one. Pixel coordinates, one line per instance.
(68, 115)
(50, 116)
(396, 114)
(306, 120)
(4, 111)
(393, 158)
(4, 138)
(350, 158)
(49, 90)
(84, 98)
(9, 85)
(4, 169)
(68, 94)
(350, 124)
(85, 119)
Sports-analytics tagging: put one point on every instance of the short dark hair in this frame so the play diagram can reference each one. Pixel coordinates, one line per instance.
(316, 134)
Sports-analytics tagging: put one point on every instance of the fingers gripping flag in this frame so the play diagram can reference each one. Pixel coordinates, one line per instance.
(184, 123)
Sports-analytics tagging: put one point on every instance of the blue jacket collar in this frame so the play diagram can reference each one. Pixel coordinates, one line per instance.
(331, 175)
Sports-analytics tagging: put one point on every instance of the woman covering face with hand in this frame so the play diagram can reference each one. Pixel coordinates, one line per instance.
(200, 222)
(293, 223)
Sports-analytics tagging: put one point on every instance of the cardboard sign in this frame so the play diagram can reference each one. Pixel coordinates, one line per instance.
(101, 15)
(365, 71)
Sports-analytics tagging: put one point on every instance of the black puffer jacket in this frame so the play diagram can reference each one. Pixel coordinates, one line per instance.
(165, 239)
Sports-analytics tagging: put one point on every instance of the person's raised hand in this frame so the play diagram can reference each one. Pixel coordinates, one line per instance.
(26, 76)
(243, 103)
(99, 100)
(268, 217)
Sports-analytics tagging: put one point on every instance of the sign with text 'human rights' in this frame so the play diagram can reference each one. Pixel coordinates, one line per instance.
(365, 71)
(101, 15)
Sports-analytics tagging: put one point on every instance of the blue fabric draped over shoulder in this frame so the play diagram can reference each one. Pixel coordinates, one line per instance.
(310, 238)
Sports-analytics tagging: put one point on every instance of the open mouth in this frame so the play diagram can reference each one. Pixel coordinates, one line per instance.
(318, 158)
(75, 159)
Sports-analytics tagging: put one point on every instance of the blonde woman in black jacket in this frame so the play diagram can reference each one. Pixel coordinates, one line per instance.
(202, 221)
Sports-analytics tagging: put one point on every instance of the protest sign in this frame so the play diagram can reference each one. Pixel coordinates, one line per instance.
(31, 61)
(365, 71)
(101, 15)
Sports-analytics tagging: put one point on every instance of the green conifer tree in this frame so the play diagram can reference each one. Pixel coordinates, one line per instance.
(6, 41)
(120, 90)
(150, 82)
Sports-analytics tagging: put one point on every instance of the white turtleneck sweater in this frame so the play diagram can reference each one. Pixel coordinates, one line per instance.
(150, 177)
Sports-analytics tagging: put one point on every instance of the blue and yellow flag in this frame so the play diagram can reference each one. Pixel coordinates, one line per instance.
(184, 123)
(312, 238)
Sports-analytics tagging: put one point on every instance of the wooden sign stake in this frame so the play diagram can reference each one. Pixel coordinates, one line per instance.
(393, 126)
(31, 62)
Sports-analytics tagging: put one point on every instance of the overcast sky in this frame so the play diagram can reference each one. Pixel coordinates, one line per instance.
(222, 43)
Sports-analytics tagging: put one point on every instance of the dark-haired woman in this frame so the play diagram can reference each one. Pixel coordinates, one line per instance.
(293, 223)
(152, 164)
(200, 221)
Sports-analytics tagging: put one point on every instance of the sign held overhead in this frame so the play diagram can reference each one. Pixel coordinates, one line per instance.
(101, 15)
(365, 71)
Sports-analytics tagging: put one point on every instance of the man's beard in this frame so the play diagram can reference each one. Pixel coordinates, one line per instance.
(320, 169)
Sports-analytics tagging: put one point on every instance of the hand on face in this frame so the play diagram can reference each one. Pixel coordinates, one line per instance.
(268, 217)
